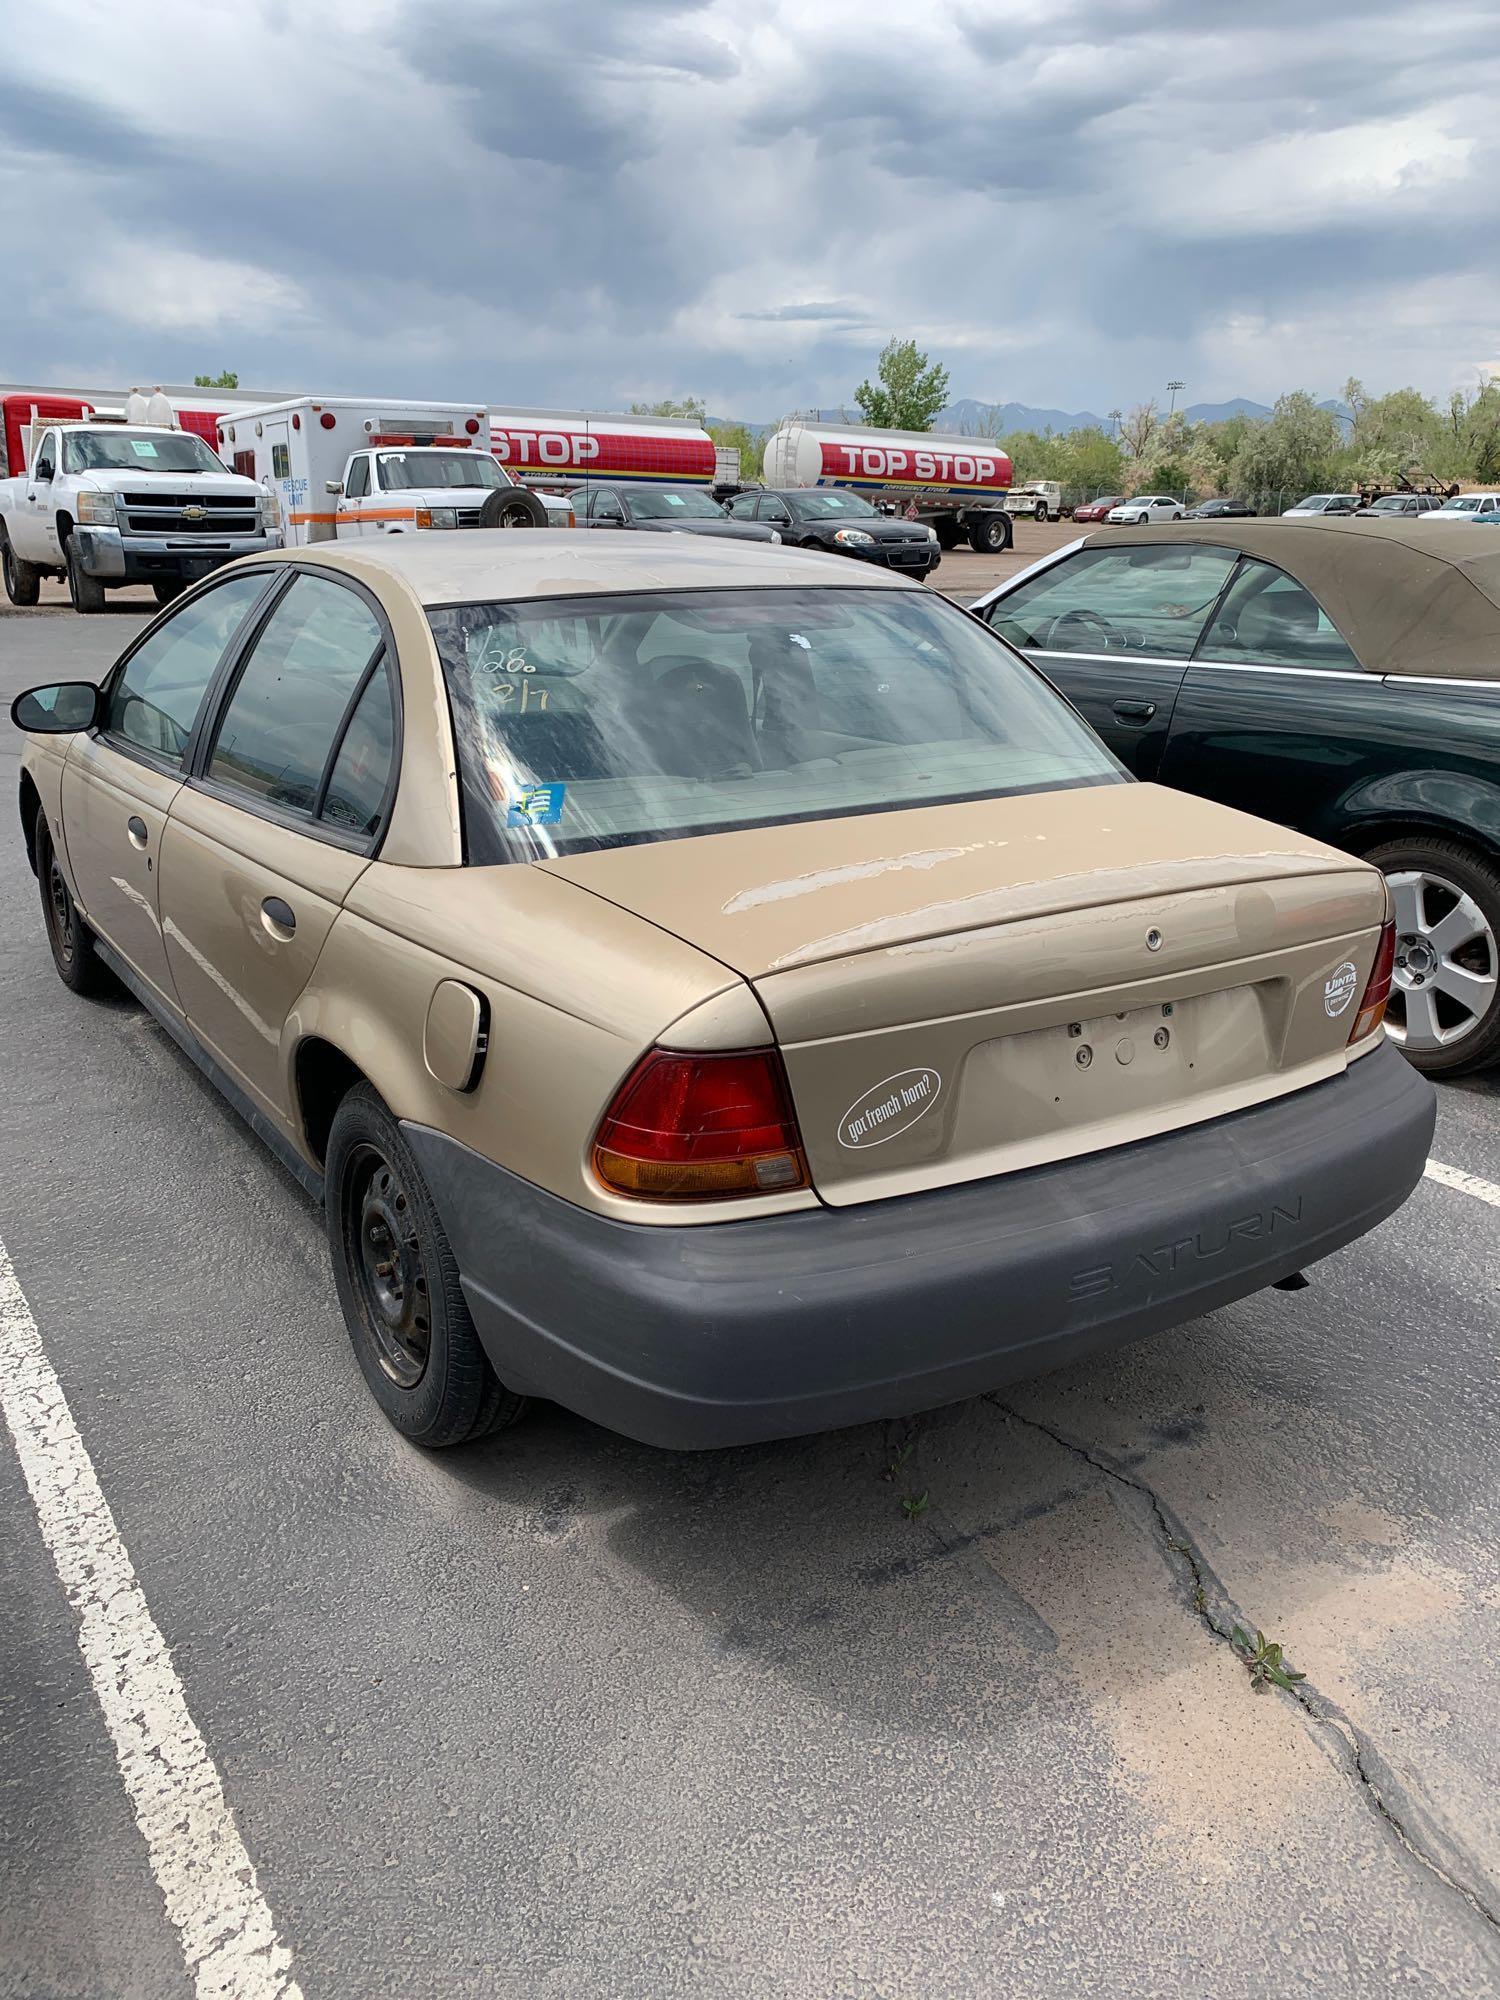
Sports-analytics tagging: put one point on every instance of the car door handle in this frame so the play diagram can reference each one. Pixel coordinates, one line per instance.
(135, 826)
(1135, 711)
(278, 919)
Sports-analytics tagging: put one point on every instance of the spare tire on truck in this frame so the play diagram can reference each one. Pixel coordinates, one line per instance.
(989, 533)
(512, 507)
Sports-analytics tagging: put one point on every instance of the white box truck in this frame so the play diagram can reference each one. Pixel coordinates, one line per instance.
(341, 468)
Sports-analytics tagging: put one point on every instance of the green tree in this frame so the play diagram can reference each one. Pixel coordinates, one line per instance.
(228, 380)
(1471, 446)
(1138, 428)
(1092, 462)
(1295, 451)
(910, 391)
(690, 407)
(1179, 458)
(736, 437)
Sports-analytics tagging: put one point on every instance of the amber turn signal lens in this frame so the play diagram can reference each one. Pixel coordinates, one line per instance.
(1378, 986)
(700, 1128)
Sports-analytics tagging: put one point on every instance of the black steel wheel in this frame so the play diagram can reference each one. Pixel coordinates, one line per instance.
(399, 1286)
(23, 580)
(79, 965)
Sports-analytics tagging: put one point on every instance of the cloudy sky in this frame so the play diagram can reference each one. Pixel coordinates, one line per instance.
(588, 202)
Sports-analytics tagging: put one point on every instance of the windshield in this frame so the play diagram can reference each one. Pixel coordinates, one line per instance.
(673, 503)
(818, 506)
(603, 722)
(1468, 503)
(1391, 503)
(137, 451)
(404, 471)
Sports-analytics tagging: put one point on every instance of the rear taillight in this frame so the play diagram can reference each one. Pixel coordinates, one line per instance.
(696, 1127)
(1378, 987)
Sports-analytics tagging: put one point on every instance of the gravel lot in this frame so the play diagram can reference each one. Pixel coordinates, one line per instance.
(560, 1715)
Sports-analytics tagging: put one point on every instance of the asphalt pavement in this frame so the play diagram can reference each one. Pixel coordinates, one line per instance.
(935, 1708)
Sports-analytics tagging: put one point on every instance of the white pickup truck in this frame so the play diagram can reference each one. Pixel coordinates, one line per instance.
(104, 503)
(1042, 499)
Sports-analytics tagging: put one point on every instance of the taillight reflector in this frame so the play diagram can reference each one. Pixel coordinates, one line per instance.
(701, 1127)
(1378, 986)
(328, 420)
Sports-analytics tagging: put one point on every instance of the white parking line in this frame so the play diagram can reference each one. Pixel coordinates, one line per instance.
(225, 1929)
(1455, 1177)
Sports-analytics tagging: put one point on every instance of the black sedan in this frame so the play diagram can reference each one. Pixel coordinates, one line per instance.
(1221, 510)
(842, 524)
(662, 510)
(1340, 676)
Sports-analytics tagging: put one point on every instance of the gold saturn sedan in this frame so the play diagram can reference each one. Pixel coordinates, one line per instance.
(722, 989)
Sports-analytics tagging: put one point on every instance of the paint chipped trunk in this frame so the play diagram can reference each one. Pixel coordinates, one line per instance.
(988, 987)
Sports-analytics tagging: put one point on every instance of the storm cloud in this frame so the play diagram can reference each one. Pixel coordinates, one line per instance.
(596, 201)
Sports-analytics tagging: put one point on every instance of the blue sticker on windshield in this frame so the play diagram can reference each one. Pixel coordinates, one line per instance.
(538, 805)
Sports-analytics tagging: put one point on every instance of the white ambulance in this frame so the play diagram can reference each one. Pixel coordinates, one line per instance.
(341, 468)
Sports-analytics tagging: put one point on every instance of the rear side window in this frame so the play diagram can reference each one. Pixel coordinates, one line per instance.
(288, 706)
(1267, 616)
(155, 698)
(362, 768)
(1143, 601)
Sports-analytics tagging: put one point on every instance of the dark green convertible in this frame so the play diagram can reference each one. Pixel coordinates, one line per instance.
(1340, 676)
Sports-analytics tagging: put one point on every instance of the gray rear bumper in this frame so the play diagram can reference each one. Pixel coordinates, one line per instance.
(726, 1333)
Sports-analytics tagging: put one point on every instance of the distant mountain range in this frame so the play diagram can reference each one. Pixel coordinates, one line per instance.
(970, 418)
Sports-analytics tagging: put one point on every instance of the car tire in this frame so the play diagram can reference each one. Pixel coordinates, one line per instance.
(1431, 879)
(949, 534)
(79, 966)
(398, 1284)
(23, 580)
(85, 591)
(1042, 513)
(169, 592)
(512, 507)
(990, 535)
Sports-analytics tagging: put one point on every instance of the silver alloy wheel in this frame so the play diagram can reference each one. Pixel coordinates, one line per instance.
(1447, 968)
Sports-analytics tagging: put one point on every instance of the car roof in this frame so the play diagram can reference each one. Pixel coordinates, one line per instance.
(475, 565)
(1402, 604)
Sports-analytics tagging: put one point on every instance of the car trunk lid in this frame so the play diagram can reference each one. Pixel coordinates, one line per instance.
(965, 990)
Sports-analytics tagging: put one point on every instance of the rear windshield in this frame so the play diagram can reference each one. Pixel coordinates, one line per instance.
(137, 451)
(602, 722)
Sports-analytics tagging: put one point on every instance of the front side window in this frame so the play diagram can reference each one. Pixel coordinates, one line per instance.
(154, 700)
(775, 511)
(357, 485)
(288, 705)
(1152, 602)
(605, 507)
(127, 451)
(46, 457)
(1267, 616)
(601, 722)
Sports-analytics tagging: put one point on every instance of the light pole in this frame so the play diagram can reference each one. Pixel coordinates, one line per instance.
(1115, 417)
(1174, 387)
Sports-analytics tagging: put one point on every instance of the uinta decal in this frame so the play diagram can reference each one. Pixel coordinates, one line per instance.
(1338, 988)
(890, 1108)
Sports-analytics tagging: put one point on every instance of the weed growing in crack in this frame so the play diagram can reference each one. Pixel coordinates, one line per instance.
(1264, 1662)
(899, 1460)
(913, 1505)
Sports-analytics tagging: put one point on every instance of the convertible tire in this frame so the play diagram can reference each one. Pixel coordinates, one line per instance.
(1445, 996)
(399, 1285)
(989, 534)
(512, 507)
(23, 580)
(86, 592)
(78, 963)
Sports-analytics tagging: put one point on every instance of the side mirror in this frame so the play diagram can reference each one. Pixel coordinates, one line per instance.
(43, 473)
(56, 711)
(333, 485)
